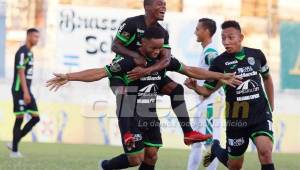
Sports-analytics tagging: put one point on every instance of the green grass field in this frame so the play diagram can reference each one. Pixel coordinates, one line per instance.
(40, 156)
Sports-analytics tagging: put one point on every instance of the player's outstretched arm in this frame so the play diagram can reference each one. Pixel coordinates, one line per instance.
(85, 76)
(201, 74)
(269, 87)
(203, 91)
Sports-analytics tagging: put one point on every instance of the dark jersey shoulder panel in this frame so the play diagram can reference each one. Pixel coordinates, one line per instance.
(132, 30)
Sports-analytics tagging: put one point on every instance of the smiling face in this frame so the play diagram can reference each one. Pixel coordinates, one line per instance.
(232, 39)
(157, 9)
(151, 47)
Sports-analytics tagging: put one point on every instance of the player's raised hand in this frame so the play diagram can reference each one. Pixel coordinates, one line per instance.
(56, 82)
(190, 83)
(231, 79)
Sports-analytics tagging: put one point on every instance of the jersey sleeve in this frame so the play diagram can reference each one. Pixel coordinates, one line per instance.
(175, 65)
(209, 55)
(119, 67)
(20, 59)
(264, 68)
(127, 31)
(166, 40)
(211, 84)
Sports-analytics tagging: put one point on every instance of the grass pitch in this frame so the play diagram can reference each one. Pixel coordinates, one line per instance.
(41, 156)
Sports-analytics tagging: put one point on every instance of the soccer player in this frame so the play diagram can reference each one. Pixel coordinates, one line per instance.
(205, 30)
(23, 99)
(136, 111)
(248, 107)
(127, 42)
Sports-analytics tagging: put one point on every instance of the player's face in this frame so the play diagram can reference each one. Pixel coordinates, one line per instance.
(152, 46)
(200, 32)
(34, 38)
(158, 9)
(232, 39)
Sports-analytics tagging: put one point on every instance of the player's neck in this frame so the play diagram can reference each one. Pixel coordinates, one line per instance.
(206, 42)
(150, 21)
(28, 45)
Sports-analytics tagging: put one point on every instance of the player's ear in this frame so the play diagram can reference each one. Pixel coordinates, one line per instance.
(241, 37)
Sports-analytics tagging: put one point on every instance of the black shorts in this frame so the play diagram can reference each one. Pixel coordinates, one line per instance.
(146, 134)
(165, 80)
(19, 106)
(237, 139)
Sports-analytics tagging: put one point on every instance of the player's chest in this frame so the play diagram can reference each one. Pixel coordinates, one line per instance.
(246, 68)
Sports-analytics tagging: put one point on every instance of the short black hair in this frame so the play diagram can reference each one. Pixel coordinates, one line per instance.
(32, 30)
(209, 24)
(231, 24)
(148, 2)
(154, 32)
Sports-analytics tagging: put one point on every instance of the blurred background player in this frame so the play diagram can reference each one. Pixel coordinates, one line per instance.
(127, 42)
(248, 107)
(206, 120)
(23, 99)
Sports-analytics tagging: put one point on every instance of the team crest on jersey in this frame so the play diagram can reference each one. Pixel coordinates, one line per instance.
(251, 61)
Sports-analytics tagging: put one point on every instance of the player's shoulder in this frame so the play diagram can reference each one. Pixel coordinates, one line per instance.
(253, 52)
(159, 25)
(221, 57)
(210, 49)
(135, 19)
(23, 49)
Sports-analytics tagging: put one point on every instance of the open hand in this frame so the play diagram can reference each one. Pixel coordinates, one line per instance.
(56, 82)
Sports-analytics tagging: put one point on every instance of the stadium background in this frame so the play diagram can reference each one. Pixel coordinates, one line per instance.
(71, 41)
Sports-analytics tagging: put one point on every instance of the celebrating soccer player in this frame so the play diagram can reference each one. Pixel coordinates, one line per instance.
(248, 107)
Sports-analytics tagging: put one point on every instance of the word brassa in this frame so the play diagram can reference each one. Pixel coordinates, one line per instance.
(98, 31)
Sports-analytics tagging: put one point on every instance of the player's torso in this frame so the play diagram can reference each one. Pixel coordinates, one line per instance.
(26, 58)
(248, 100)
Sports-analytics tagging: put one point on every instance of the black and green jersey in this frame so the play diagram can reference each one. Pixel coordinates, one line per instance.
(23, 60)
(248, 102)
(132, 30)
(145, 90)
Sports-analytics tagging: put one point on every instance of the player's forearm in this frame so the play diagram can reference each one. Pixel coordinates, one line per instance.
(269, 87)
(119, 48)
(87, 75)
(201, 74)
(164, 61)
(24, 86)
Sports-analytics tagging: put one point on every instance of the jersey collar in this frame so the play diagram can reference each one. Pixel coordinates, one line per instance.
(240, 55)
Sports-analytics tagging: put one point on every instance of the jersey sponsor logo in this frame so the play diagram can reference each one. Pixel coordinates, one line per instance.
(151, 78)
(251, 61)
(150, 92)
(236, 142)
(251, 97)
(245, 69)
(231, 62)
(248, 86)
(149, 88)
(246, 72)
(243, 75)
